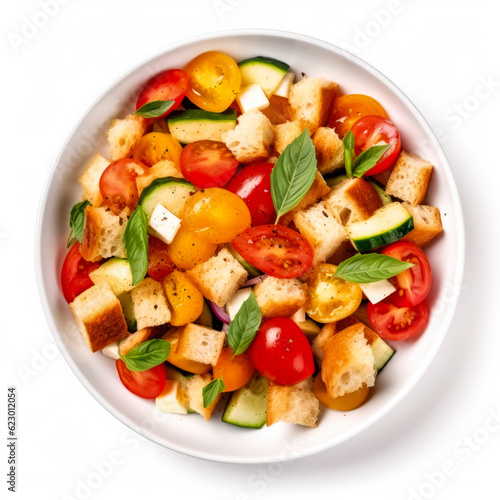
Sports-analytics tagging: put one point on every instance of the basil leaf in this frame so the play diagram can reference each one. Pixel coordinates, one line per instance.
(244, 326)
(370, 267)
(293, 174)
(154, 109)
(368, 159)
(135, 239)
(212, 390)
(76, 220)
(348, 152)
(147, 355)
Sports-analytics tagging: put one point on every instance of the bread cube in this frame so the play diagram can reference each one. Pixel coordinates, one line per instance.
(140, 336)
(124, 134)
(285, 134)
(194, 392)
(329, 150)
(149, 304)
(91, 177)
(427, 222)
(199, 343)
(279, 297)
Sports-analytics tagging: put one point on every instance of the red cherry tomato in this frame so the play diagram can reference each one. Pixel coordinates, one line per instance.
(75, 274)
(147, 384)
(369, 131)
(275, 250)
(159, 262)
(253, 186)
(208, 163)
(412, 285)
(118, 185)
(170, 85)
(281, 352)
(397, 323)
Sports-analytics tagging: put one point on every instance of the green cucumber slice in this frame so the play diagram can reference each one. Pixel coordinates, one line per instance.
(385, 198)
(206, 317)
(252, 271)
(336, 179)
(128, 311)
(265, 71)
(116, 272)
(382, 353)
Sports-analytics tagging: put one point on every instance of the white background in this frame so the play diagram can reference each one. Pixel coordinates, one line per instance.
(440, 54)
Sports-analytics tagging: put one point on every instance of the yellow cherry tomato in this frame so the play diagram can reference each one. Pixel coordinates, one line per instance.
(216, 215)
(342, 403)
(329, 298)
(185, 299)
(187, 250)
(179, 361)
(213, 81)
(157, 146)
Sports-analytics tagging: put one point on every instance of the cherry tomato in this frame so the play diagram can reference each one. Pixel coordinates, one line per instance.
(159, 262)
(180, 362)
(253, 185)
(118, 184)
(235, 372)
(216, 215)
(347, 109)
(275, 250)
(147, 384)
(278, 110)
(185, 299)
(330, 298)
(397, 323)
(412, 285)
(208, 163)
(346, 402)
(187, 250)
(281, 352)
(213, 81)
(371, 130)
(170, 85)
(156, 146)
(75, 274)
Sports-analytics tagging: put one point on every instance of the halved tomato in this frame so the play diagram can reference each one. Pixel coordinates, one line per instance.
(159, 262)
(147, 384)
(275, 250)
(235, 371)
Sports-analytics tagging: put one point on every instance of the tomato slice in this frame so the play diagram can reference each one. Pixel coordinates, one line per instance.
(75, 274)
(147, 384)
(157, 146)
(235, 372)
(370, 131)
(170, 85)
(275, 250)
(397, 323)
(118, 184)
(281, 352)
(159, 262)
(253, 185)
(208, 163)
(412, 285)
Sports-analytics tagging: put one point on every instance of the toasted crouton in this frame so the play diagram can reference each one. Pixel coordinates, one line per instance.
(199, 343)
(317, 190)
(285, 134)
(279, 297)
(427, 222)
(320, 228)
(348, 362)
(410, 178)
(219, 277)
(140, 336)
(194, 393)
(149, 304)
(124, 134)
(163, 168)
(291, 404)
(311, 100)
(99, 316)
(329, 150)
(352, 200)
(90, 179)
(102, 234)
(251, 139)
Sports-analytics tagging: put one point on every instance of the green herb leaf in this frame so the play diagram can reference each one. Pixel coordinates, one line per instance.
(368, 159)
(147, 355)
(348, 153)
(135, 240)
(154, 109)
(76, 220)
(244, 326)
(293, 174)
(370, 267)
(212, 390)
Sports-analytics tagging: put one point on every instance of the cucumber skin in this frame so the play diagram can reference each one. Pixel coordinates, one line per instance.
(198, 115)
(158, 182)
(252, 270)
(265, 60)
(372, 243)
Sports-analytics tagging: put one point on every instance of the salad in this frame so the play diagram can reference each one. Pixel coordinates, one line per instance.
(254, 239)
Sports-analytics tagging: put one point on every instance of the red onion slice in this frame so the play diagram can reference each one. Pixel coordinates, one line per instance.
(255, 281)
(220, 313)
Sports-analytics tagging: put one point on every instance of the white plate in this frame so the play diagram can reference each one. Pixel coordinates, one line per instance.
(191, 434)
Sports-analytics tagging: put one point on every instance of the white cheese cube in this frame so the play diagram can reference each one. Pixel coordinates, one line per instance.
(234, 305)
(112, 351)
(375, 292)
(286, 83)
(168, 401)
(252, 97)
(165, 224)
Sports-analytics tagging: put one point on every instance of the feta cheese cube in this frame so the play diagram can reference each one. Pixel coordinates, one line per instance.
(168, 400)
(234, 305)
(112, 351)
(375, 292)
(164, 223)
(252, 97)
(286, 83)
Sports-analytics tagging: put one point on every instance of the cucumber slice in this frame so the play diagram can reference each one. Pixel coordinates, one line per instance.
(197, 124)
(387, 225)
(128, 311)
(170, 192)
(251, 270)
(336, 179)
(385, 198)
(206, 317)
(382, 353)
(309, 327)
(247, 406)
(265, 71)
(116, 272)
